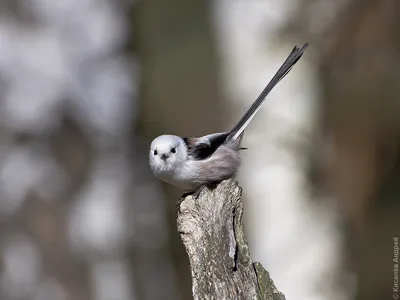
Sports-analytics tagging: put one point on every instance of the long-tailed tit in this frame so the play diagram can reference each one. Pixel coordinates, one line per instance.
(189, 163)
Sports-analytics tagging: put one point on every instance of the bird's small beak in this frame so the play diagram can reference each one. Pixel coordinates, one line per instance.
(164, 157)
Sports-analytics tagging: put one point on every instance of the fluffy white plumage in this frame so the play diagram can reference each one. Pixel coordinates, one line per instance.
(189, 163)
(173, 160)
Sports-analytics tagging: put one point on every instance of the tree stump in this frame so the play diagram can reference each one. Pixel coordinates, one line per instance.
(211, 228)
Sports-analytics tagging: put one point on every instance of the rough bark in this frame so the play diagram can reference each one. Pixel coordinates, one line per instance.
(210, 225)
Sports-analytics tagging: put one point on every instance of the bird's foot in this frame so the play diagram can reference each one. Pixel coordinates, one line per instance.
(187, 194)
(178, 204)
(183, 197)
(195, 194)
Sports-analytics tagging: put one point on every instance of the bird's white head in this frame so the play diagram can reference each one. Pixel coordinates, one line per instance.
(167, 153)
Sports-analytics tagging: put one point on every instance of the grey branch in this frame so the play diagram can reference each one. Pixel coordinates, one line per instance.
(211, 229)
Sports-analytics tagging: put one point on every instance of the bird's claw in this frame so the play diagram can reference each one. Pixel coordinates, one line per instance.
(195, 195)
(178, 204)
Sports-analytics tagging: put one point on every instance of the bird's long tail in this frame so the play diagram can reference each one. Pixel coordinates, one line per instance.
(293, 57)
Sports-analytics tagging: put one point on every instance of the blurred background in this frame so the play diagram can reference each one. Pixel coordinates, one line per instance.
(85, 85)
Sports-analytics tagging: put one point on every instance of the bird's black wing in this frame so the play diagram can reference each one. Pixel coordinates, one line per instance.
(204, 147)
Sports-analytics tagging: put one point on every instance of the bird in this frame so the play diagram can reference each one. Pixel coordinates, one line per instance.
(192, 162)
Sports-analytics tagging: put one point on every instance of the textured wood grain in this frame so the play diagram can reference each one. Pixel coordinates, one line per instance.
(211, 228)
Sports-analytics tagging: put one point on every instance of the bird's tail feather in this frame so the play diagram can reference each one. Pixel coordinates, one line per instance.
(291, 60)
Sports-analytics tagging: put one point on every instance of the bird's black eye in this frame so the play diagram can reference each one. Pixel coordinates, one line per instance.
(173, 150)
(155, 152)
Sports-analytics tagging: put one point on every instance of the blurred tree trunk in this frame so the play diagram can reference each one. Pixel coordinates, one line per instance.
(41, 223)
(179, 86)
(60, 170)
(43, 219)
(360, 114)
